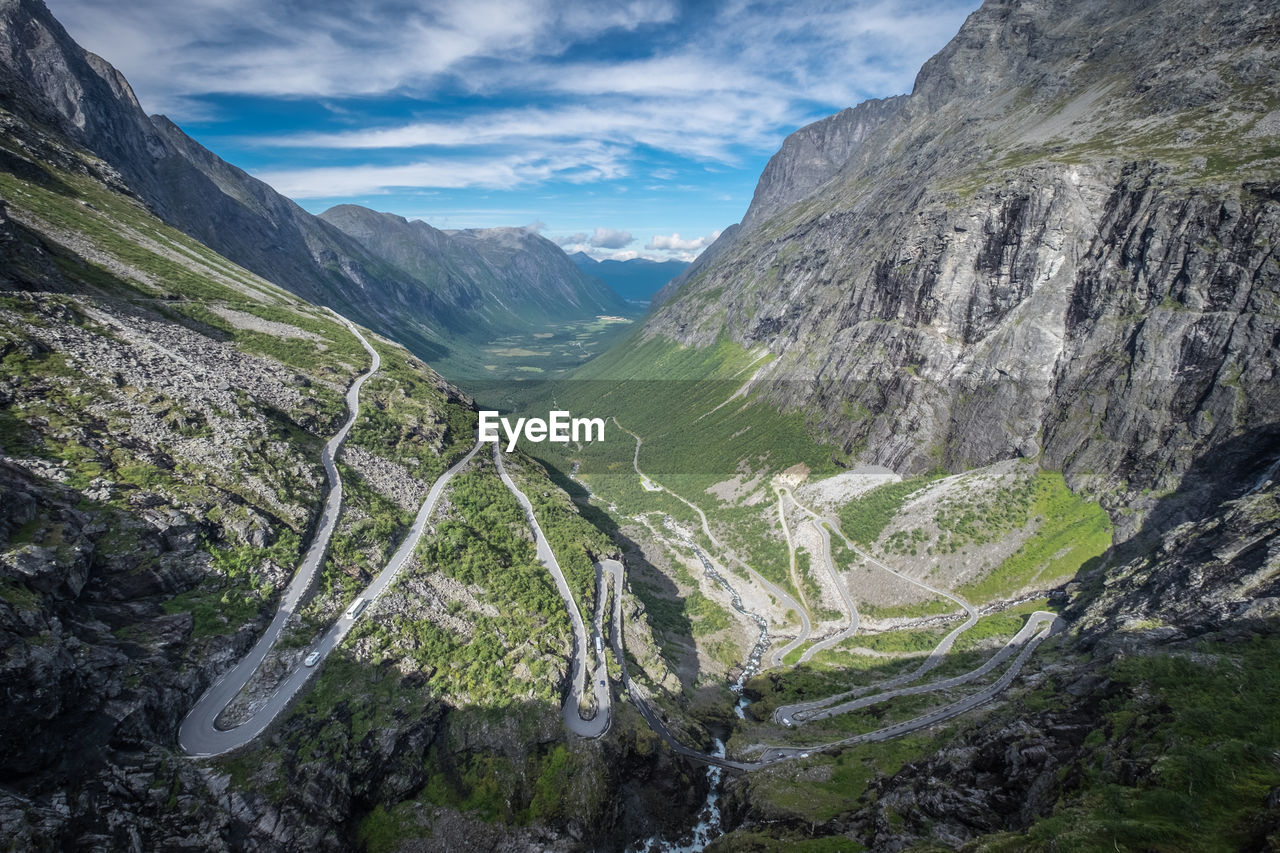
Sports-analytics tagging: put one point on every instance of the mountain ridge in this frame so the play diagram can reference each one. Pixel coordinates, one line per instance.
(637, 279)
(229, 210)
(493, 281)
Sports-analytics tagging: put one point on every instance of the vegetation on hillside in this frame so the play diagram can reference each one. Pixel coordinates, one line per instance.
(1071, 530)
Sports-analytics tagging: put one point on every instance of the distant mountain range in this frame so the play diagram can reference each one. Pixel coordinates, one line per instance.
(637, 279)
(437, 293)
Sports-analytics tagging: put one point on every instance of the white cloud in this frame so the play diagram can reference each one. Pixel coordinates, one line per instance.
(693, 127)
(171, 51)
(582, 164)
(675, 242)
(608, 238)
(576, 241)
(717, 82)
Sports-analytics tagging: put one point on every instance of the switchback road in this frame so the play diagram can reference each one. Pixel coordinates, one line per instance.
(199, 734)
(570, 711)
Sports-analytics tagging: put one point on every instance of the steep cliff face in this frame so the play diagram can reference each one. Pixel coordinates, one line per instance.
(1062, 242)
(1061, 245)
(814, 154)
(50, 79)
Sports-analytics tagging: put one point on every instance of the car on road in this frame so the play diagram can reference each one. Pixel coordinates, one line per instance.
(312, 659)
(602, 682)
(804, 755)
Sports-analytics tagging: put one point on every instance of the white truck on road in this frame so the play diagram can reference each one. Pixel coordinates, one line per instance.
(356, 608)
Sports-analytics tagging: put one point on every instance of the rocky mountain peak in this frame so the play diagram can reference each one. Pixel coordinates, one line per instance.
(814, 154)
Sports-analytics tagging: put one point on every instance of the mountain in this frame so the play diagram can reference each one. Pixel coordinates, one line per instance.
(165, 415)
(637, 279)
(1058, 251)
(993, 358)
(1056, 246)
(495, 281)
(433, 312)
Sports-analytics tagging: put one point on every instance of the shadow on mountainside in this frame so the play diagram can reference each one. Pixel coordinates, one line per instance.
(1165, 569)
(661, 598)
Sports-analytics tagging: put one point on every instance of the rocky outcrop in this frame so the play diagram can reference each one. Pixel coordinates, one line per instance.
(815, 154)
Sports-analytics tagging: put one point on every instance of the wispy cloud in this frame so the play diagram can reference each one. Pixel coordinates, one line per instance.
(376, 98)
(674, 242)
(586, 163)
(174, 51)
(696, 127)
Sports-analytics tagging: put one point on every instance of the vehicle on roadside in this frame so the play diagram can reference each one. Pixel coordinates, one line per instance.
(312, 659)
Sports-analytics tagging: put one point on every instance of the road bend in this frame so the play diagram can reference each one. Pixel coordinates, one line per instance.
(1042, 624)
(571, 710)
(199, 735)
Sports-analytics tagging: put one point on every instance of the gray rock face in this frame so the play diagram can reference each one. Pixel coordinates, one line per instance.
(1048, 247)
(814, 154)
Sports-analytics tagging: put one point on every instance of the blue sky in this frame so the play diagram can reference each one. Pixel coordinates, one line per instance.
(623, 129)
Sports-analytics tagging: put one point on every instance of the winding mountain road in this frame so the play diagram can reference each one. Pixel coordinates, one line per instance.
(1038, 627)
(841, 586)
(571, 710)
(1042, 624)
(199, 734)
(807, 712)
(786, 714)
